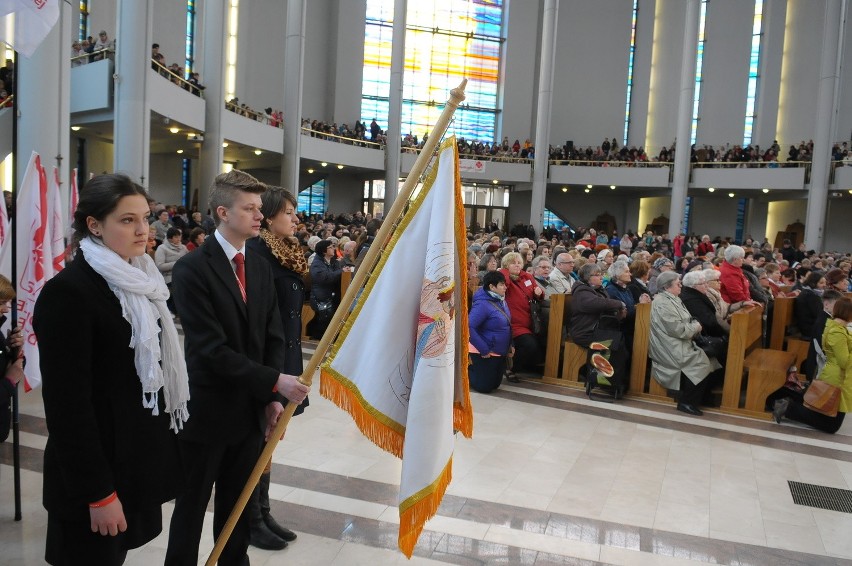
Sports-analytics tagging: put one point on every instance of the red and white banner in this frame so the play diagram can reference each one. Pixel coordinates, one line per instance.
(56, 232)
(5, 243)
(471, 166)
(25, 23)
(34, 216)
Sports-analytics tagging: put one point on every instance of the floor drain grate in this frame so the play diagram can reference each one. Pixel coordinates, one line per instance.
(821, 497)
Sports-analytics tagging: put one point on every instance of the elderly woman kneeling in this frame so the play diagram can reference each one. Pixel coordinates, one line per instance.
(677, 363)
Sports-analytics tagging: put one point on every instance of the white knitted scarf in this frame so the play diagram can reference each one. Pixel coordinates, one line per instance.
(142, 292)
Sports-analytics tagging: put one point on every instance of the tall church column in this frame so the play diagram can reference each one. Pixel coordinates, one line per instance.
(826, 122)
(294, 72)
(213, 74)
(684, 117)
(42, 100)
(132, 124)
(393, 143)
(542, 123)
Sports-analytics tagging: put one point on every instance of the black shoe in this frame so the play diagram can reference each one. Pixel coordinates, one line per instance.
(261, 537)
(511, 377)
(780, 409)
(281, 532)
(689, 409)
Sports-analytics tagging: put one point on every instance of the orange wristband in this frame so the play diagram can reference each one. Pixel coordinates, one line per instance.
(105, 501)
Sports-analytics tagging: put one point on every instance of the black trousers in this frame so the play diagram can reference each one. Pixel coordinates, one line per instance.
(486, 374)
(228, 467)
(258, 504)
(691, 393)
(528, 353)
(72, 543)
(799, 413)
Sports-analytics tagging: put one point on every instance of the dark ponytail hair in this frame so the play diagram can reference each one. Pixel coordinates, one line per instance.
(98, 198)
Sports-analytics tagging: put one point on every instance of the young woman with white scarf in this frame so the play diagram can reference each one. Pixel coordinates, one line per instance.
(114, 384)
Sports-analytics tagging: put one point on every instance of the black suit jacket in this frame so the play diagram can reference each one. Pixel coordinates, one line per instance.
(101, 437)
(234, 349)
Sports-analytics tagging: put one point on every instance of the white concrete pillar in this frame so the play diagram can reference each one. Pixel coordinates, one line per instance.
(213, 74)
(542, 123)
(132, 124)
(393, 144)
(42, 101)
(826, 122)
(294, 71)
(684, 117)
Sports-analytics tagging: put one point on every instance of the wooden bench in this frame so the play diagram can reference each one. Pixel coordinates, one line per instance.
(642, 383)
(782, 319)
(558, 350)
(767, 368)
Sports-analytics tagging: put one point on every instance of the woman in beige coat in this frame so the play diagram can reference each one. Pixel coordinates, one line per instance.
(677, 363)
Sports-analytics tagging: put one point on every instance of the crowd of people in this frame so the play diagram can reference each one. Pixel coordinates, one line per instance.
(269, 115)
(237, 279)
(693, 283)
(91, 49)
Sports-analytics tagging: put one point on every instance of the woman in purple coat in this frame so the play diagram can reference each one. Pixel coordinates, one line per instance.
(490, 333)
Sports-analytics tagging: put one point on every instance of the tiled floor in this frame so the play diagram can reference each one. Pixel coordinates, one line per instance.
(549, 478)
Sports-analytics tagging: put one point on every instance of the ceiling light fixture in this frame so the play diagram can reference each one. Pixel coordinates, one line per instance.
(731, 195)
(310, 171)
(324, 164)
(340, 166)
(588, 187)
(174, 130)
(711, 189)
(224, 144)
(765, 191)
(612, 187)
(180, 151)
(75, 128)
(564, 189)
(257, 152)
(587, 190)
(495, 181)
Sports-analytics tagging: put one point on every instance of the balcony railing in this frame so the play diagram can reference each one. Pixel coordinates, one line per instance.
(341, 139)
(166, 73)
(256, 116)
(99, 55)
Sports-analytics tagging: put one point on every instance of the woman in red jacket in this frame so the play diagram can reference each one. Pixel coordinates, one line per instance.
(521, 291)
(735, 287)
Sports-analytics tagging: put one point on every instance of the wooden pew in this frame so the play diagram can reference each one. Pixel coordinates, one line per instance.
(553, 346)
(558, 349)
(782, 319)
(642, 384)
(767, 368)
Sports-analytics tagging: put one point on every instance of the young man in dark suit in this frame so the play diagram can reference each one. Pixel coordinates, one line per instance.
(234, 342)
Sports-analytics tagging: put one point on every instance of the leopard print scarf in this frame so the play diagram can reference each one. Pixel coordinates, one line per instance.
(287, 251)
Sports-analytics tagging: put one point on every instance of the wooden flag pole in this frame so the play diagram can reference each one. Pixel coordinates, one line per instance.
(370, 260)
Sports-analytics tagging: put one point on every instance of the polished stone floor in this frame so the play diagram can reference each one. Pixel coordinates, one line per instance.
(549, 478)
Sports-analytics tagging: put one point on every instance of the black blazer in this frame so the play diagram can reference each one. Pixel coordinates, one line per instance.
(101, 439)
(234, 350)
(290, 288)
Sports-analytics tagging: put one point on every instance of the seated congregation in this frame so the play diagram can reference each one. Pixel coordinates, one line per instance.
(738, 329)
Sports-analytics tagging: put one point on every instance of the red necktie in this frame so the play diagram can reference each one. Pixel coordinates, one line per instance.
(240, 262)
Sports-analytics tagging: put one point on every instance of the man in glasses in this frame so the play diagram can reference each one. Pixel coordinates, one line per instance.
(561, 279)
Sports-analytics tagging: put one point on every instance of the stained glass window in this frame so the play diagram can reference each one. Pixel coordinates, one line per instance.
(446, 41)
(699, 63)
(753, 68)
(84, 20)
(190, 37)
(312, 200)
(630, 59)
